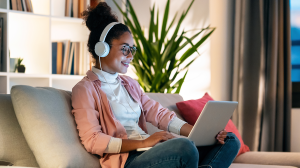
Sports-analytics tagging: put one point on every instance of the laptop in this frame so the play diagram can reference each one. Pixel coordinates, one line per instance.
(213, 118)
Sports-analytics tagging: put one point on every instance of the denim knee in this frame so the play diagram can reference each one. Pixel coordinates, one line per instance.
(235, 142)
(187, 149)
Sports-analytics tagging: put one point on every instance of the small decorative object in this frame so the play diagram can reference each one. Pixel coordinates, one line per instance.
(13, 64)
(21, 68)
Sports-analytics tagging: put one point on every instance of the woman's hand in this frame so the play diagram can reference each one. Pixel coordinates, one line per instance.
(156, 138)
(221, 136)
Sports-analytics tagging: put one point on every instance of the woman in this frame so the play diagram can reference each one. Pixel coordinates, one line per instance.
(111, 110)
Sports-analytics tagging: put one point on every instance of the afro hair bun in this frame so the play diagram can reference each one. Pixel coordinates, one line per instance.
(98, 16)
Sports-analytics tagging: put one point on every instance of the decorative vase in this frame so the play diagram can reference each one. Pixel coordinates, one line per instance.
(13, 62)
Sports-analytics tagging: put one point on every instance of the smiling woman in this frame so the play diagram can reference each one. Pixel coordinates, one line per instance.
(111, 110)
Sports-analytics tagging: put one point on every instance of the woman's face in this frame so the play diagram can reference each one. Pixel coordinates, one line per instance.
(115, 61)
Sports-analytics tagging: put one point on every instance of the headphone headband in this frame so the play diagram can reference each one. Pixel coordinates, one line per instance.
(106, 30)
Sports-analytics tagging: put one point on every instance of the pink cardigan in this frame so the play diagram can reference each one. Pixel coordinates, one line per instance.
(97, 124)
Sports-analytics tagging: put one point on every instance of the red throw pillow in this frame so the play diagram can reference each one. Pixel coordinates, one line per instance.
(191, 109)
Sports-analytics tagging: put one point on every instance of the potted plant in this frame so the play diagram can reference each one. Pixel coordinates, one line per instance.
(156, 62)
(21, 68)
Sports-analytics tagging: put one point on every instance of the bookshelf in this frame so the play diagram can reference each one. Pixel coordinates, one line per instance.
(29, 35)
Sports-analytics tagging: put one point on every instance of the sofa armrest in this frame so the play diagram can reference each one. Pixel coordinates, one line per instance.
(270, 158)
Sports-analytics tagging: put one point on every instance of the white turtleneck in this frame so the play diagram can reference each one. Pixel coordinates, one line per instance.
(126, 110)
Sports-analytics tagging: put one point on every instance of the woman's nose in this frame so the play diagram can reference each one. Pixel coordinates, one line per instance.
(130, 56)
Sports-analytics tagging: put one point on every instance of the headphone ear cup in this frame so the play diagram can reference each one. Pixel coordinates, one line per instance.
(102, 49)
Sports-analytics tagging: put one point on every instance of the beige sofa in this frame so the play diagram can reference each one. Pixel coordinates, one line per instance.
(37, 129)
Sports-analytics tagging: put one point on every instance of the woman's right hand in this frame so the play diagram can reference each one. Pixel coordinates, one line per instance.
(157, 137)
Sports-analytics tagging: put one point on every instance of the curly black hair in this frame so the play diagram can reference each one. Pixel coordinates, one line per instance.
(96, 19)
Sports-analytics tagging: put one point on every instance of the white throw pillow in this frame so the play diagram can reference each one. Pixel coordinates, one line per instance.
(49, 128)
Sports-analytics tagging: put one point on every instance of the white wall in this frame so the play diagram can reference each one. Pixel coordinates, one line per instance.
(197, 81)
(221, 48)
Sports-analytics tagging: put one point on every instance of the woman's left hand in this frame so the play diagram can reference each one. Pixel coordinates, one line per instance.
(221, 136)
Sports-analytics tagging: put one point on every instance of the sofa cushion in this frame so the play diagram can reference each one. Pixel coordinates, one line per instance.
(236, 165)
(49, 128)
(270, 158)
(191, 109)
(13, 146)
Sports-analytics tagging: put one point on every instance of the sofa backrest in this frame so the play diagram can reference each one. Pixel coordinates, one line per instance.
(167, 101)
(13, 146)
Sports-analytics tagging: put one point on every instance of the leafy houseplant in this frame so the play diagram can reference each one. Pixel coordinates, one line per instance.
(19, 66)
(155, 62)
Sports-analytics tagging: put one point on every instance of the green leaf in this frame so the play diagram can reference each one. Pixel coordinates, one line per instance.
(155, 82)
(190, 51)
(151, 25)
(164, 25)
(180, 82)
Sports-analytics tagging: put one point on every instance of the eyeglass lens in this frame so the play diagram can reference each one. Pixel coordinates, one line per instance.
(127, 49)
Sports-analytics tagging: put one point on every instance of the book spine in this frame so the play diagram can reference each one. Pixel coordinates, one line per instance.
(71, 57)
(14, 5)
(19, 4)
(10, 5)
(72, 68)
(24, 5)
(28, 5)
(75, 8)
(59, 59)
(66, 57)
(31, 8)
(54, 57)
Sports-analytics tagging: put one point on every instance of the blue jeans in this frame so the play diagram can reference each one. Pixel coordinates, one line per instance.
(181, 152)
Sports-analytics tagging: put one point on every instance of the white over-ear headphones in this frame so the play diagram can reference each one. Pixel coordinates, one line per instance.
(102, 48)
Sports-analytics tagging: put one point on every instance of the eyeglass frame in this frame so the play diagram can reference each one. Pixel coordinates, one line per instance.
(125, 45)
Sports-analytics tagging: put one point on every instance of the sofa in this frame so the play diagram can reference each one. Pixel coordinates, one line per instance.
(37, 129)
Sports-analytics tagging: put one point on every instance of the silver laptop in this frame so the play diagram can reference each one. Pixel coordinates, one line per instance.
(213, 118)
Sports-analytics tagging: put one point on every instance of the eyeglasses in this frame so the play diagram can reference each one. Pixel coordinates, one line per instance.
(126, 49)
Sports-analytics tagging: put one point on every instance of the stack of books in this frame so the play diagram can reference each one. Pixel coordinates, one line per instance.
(74, 8)
(21, 5)
(70, 58)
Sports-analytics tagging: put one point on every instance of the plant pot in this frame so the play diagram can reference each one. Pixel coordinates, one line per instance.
(21, 69)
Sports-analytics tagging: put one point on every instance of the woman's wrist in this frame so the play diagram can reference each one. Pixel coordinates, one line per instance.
(186, 129)
(130, 145)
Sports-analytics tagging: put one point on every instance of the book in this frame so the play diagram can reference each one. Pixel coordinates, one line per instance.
(19, 5)
(10, 6)
(28, 5)
(72, 68)
(75, 8)
(68, 8)
(71, 57)
(54, 57)
(66, 56)
(59, 59)
(94, 3)
(24, 5)
(14, 5)
(81, 8)
(77, 60)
